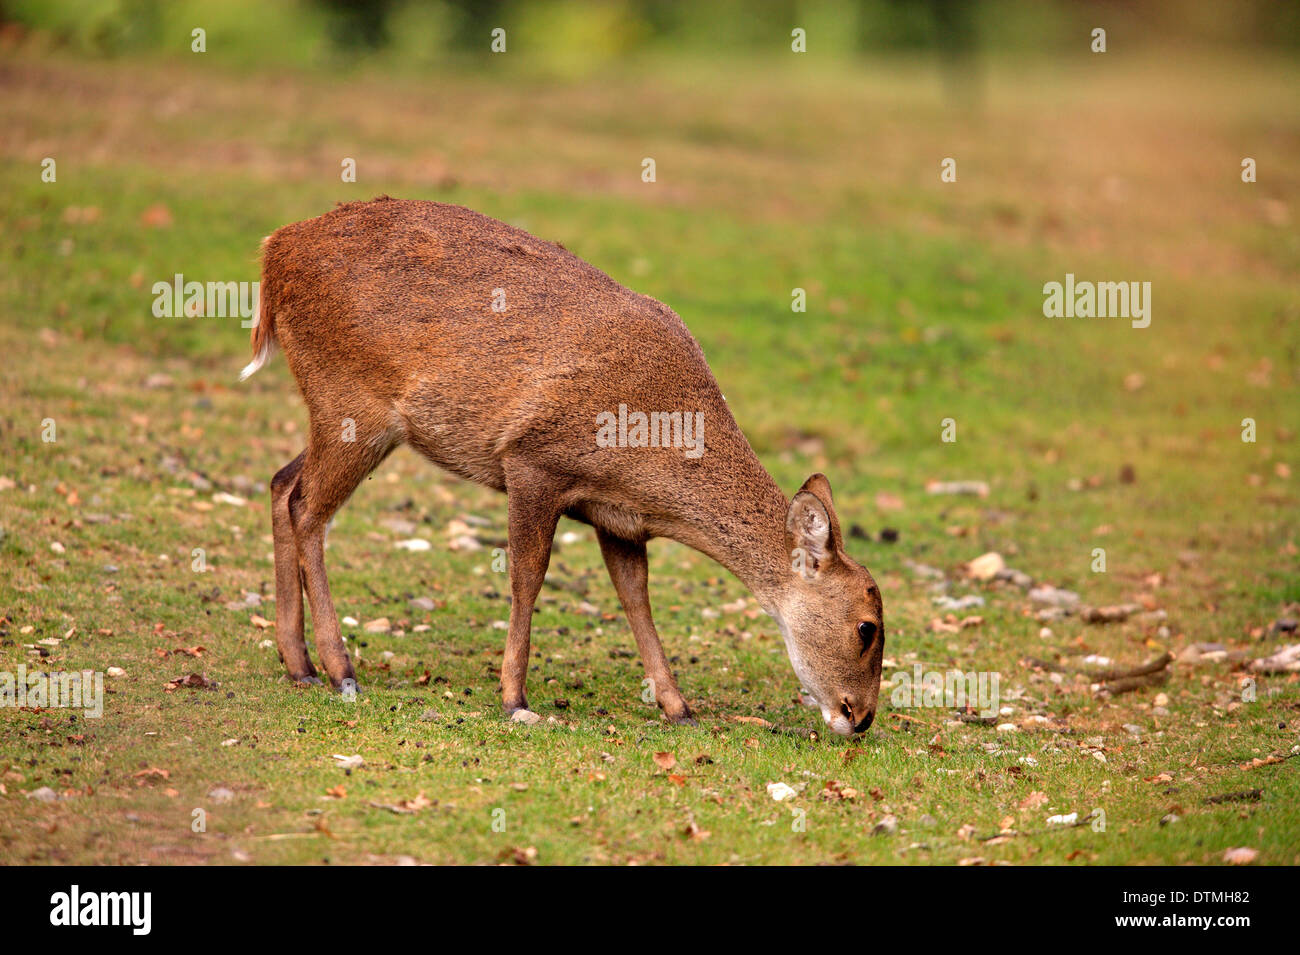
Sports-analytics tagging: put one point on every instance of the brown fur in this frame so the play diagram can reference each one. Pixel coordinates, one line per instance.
(384, 312)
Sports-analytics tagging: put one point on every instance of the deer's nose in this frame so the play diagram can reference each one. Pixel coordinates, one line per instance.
(849, 708)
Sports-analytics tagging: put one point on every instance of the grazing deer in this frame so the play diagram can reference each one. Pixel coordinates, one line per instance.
(510, 362)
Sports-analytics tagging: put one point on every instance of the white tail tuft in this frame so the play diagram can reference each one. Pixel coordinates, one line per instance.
(254, 366)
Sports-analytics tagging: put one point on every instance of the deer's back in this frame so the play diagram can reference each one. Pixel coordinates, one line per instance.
(386, 308)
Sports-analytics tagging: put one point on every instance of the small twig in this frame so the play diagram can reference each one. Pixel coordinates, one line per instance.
(1130, 683)
(1151, 666)
(1115, 681)
(904, 716)
(1246, 795)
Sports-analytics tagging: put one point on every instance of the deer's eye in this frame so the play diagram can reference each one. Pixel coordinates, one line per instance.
(867, 633)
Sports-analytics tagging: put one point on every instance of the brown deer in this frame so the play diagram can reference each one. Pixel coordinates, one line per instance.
(510, 362)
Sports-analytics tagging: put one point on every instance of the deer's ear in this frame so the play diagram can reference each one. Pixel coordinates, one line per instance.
(812, 530)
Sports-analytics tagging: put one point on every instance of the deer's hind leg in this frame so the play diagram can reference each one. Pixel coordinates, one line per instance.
(288, 577)
(331, 470)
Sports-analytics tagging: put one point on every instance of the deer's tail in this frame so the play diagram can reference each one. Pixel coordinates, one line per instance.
(263, 337)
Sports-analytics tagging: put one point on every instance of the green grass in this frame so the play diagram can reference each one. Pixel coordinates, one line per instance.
(923, 305)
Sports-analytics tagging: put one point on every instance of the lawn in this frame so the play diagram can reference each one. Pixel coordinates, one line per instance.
(139, 537)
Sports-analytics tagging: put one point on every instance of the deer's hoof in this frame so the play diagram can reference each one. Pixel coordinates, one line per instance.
(305, 679)
(684, 718)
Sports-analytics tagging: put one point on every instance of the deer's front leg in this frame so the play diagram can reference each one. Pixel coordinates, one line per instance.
(629, 570)
(533, 513)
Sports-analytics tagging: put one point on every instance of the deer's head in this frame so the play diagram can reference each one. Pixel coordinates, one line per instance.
(830, 614)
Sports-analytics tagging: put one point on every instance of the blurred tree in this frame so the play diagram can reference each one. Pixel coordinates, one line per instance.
(476, 20)
(358, 24)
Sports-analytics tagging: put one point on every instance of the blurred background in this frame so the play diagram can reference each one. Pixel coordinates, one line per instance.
(798, 152)
(582, 34)
(797, 146)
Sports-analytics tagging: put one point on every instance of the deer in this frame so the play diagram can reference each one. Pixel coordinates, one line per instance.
(503, 359)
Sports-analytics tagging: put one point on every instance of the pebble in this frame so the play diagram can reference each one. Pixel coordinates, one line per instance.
(977, 488)
(925, 571)
(945, 602)
(414, 544)
(780, 791)
(527, 717)
(986, 566)
(1053, 597)
(888, 825)
(1017, 577)
(249, 599)
(1114, 614)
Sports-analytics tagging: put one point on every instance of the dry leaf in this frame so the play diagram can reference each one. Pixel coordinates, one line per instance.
(665, 760)
(695, 832)
(1034, 800)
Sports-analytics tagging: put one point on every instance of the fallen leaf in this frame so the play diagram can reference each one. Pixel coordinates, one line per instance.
(695, 832)
(665, 760)
(1034, 800)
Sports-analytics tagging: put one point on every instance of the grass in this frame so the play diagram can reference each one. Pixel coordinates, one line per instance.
(924, 303)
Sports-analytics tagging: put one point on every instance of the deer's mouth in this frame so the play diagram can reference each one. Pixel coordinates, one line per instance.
(839, 723)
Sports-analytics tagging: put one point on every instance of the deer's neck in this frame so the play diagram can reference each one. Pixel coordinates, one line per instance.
(738, 519)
